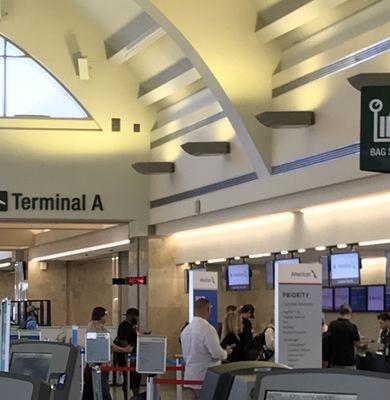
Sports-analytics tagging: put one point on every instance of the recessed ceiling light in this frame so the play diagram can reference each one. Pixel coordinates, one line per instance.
(259, 255)
(284, 252)
(320, 248)
(342, 246)
(374, 242)
(301, 250)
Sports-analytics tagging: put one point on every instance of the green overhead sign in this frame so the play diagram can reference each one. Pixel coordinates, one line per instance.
(375, 129)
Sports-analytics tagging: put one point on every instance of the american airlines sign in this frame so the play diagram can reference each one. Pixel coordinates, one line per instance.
(21, 201)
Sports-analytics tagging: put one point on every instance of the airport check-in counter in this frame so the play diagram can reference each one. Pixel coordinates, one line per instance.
(19, 387)
(57, 364)
(234, 380)
(321, 384)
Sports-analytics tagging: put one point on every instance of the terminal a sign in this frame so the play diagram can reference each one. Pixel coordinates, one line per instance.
(22, 202)
(375, 129)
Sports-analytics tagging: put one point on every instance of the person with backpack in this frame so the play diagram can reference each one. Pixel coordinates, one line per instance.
(269, 341)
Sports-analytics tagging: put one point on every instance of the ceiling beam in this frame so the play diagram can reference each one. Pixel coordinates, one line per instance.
(295, 19)
(138, 34)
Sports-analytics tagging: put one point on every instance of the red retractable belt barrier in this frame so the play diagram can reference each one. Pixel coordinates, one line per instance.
(177, 382)
(131, 369)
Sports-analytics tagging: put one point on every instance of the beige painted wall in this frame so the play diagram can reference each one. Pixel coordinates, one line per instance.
(89, 286)
(167, 301)
(7, 281)
(49, 285)
(74, 288)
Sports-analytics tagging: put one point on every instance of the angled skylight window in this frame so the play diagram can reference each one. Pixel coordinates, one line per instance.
(27, 89)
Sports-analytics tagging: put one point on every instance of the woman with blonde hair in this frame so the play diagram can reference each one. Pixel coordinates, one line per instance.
(231, 338)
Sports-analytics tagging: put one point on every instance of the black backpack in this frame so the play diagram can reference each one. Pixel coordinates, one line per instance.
(256, 350)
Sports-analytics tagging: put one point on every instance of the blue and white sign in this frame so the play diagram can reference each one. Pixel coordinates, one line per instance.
(204, 284)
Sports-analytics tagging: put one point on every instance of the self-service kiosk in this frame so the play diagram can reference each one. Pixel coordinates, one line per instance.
(234, 380)
(321, 384)
(57, 364)
(20, 387)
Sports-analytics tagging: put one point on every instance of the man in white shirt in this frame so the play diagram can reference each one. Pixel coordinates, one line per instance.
(200, 346)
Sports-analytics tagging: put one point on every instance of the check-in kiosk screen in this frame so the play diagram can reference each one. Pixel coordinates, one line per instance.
(344, 269)
(238, 277)
(327, 299)
(359, 298)
(36, 365)
(308, 396)
(376, 298)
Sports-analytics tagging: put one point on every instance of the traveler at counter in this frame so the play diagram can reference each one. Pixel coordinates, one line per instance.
(200, 346)
(344, 338)
(246, 335)
(231, 339)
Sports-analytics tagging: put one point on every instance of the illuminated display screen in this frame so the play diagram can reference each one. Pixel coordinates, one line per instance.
(238, 277)
(344, 269)
(271, 395)
(359, 299)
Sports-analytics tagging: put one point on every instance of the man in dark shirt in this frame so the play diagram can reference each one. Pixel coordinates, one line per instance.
(127, 335)
(246, 335)
(384, 324)
(344, 337)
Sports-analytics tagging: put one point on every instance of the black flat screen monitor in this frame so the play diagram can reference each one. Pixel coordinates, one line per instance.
(269, 275)
(341, 296)
(36, 365)
(327, 299)
(345, 269)
(238, 277)
(376, 298)
(359, 298)
(325, 270)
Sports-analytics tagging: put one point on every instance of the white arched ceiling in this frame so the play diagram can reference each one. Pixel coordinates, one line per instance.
(233, 63)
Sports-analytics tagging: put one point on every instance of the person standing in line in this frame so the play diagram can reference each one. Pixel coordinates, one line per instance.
(231, 339)
(32, 318)
(200, 346)
(98, 325)
(229, 309)
(246, 332)
(344, 338)
(269, 338)
(127, 335)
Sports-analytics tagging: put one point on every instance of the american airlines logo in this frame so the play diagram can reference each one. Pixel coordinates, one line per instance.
(3, 200)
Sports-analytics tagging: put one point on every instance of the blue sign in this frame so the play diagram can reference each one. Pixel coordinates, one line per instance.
(212, 297)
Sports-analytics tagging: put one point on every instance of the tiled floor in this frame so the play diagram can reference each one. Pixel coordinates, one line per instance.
(166, 393)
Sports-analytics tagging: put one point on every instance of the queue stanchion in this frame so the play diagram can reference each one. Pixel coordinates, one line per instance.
(179, 377)
(128, 383)
(97, 383)
(82, 366)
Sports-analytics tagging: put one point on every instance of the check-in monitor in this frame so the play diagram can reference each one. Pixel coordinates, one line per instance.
(376, 298)
(327, 299)
(238, 277)
(359, 298)
(341, 296)
(345, 269)
(321, 384)
(36, 365)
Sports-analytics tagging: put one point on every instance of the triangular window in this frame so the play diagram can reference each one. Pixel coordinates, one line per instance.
(27, 89)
